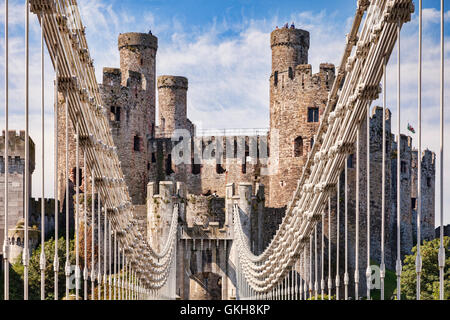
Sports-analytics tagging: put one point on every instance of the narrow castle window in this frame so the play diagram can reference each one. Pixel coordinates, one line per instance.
(428, 182)
(350, 161)
(244, 163)
(403, 166)
(196, 167)
(311, 143)
(291, 73)
(413, 203)
(153, 157)
(115, 113)
(275, 78)
(169, 170)
(137, 143)
(313, 114)
(298, 147)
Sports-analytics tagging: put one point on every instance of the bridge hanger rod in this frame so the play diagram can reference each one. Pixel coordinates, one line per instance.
(5, 244)
(419, 159)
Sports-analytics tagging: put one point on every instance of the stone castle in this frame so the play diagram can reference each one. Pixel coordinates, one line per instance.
(258, 172)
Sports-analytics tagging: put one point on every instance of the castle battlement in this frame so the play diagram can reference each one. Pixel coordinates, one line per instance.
(113, 77)
(135, 39)
(289, 37)
(289, 49)
(172, 82)
(16, 144)
(16, 151)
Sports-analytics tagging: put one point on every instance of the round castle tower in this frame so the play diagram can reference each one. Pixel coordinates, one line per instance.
(136, 107)
(289, 49)
(172, 96)
(138, 53)
(297, 98)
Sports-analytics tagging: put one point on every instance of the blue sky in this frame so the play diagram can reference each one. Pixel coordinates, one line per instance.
(223, 48)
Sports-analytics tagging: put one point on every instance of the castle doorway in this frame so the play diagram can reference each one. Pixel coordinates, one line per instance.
(205, 286)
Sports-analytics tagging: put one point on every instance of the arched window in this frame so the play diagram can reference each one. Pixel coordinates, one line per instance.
(298, 147)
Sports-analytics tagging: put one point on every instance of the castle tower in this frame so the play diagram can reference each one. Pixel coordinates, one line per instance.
(289, 49)
(172, 95)
(138, 54)
(297, 99)
(129, 93)
(16, 178)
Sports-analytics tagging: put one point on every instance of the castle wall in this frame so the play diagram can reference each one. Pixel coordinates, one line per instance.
(428, 194)
(221, 163)
(290, 102)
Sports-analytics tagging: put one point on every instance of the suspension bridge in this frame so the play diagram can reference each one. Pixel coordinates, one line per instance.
(131, 266)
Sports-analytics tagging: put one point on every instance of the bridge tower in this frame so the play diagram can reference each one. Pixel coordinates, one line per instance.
(297, 99)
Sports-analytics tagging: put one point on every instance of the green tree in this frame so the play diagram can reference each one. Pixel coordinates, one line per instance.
(430, 272)
(34, 272)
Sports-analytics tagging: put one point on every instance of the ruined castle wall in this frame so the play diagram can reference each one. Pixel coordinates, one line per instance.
(428, 194)
(220, 165)
(406, 236)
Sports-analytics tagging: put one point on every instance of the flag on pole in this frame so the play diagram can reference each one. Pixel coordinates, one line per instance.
(410, 128)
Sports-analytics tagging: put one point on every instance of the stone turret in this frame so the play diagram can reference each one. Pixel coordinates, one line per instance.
(138, 53)
(172, 95)
(289, 49)
(160, 206)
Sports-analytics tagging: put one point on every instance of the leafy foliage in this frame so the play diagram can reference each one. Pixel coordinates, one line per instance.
(430, 272)
(34, 272)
